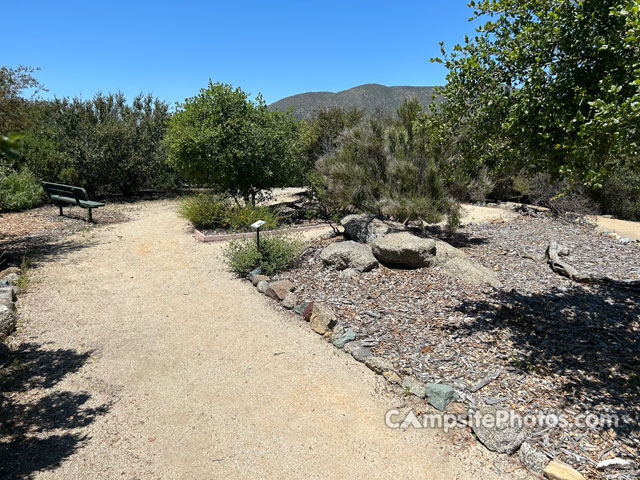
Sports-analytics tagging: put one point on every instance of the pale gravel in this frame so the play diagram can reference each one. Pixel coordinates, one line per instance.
(202, 377)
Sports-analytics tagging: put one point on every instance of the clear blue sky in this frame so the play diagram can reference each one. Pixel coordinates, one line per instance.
(278, 48)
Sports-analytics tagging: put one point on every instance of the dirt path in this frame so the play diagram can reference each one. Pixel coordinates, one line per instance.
(146, 359)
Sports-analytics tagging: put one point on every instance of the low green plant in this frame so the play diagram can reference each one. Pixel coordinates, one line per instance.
(19, 191)
(209, 211)
(277, 252)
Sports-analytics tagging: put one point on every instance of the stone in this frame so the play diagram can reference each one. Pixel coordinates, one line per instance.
(349, 254)
(11, 279)
(532, 458)
(556, 470)
(306, 314)
(263, 286)
(440, 395)
(414, 386)
(322, 318)
(357, 351)
(349, 272)
(7, 302)
(256, 279)
(290, 301)
(301, 307)
(405, 249)
(378, 364)
(253, 273)
(10, 270)
(500, 431)
(9, 292)
(365, 228)
(346, 337)
(392, 377)
(7, 321)
(625, 240)
(279, 289)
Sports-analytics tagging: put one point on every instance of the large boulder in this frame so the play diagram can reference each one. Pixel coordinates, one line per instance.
(406, 249)
(412, 251)
(349, 254)
(365, 228)
(457, 264)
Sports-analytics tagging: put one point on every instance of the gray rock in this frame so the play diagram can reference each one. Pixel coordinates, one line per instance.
(254, 272)
(349, 254)
(322, 318)
(405, 249)
(379, 365)
(8, 271)
(625, 240)
(440, 395)
(290, 301)
(350, 272)
(7, 321)
(409, 250)
(7, 302)
(9, 292)
(357, 351)
(532, 458)
(301, 307)
(365, 228)
(337, 332)
(500, 431)
(263, 286)
(11, 279)
(346, 337)
(414, 386)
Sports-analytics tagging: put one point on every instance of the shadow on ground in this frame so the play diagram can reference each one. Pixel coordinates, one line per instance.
(38, 431)
(588, 335)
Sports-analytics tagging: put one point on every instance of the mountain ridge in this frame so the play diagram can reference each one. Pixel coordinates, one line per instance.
(370, 97)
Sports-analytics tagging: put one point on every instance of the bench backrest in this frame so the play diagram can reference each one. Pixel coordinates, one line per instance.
(65, 190)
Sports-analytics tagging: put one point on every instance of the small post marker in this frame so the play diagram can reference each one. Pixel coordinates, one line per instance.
(256, 226)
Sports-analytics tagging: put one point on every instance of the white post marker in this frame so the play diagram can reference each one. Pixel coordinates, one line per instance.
(256, 226)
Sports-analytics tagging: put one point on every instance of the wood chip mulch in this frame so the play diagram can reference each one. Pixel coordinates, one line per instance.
(36, 232)
(542, 343)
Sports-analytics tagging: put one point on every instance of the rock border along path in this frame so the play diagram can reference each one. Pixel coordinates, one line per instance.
(190, 374)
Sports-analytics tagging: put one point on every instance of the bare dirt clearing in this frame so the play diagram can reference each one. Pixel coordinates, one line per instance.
(140, 356)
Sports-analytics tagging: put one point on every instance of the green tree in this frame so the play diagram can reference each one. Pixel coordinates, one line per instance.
(547, 85)
(222, 139)
(14, 106)
(104, 143)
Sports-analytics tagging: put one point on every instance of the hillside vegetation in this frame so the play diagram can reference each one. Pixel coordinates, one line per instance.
(370, 98)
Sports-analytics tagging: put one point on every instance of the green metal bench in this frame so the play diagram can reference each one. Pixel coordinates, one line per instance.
(68, 194)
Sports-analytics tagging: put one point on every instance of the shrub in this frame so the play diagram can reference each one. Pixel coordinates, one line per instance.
(214, 212)
(19, 191)
(277, 252)
(620, 194)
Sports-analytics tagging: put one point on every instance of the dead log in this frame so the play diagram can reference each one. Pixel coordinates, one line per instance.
(555, 251)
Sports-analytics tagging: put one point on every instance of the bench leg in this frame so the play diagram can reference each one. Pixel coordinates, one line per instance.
(90, 215)
(60, 206)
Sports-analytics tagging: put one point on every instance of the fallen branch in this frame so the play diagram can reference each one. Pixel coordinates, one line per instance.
(555, 251)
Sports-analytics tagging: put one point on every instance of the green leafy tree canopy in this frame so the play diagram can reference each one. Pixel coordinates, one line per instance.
(222, 139)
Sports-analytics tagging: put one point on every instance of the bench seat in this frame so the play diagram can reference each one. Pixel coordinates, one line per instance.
(69, 194)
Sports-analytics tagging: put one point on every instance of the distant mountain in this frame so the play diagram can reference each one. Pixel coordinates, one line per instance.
(369, 97)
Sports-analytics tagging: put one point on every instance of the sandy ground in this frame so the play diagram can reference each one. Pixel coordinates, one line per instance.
(177, 369)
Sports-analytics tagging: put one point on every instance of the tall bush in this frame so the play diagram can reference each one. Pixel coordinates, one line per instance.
(222, 139)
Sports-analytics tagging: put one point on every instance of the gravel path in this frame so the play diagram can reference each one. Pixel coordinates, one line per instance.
(139, 356)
